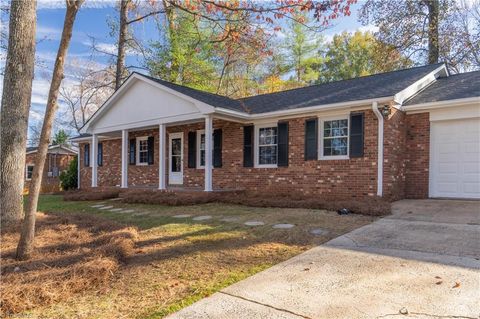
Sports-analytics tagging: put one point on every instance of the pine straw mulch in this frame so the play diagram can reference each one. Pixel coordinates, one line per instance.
(72, 253)
(372, 206)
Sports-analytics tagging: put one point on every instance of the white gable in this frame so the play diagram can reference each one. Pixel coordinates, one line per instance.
(142, 103)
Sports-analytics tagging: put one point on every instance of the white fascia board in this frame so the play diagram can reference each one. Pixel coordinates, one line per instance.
(305, 110)
(419, 85)
(202, 107)
(441, 104)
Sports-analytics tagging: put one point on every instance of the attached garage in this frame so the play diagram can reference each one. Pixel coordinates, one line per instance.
(455, 158)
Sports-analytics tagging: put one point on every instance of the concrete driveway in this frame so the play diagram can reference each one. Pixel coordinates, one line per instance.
(423, 261)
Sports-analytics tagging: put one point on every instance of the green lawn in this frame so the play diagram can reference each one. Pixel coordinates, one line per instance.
(177, 261)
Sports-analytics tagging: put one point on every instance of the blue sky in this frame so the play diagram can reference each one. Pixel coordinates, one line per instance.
(92, 20)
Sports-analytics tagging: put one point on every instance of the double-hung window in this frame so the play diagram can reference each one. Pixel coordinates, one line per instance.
(267, 142)
(334, 138)
(201, 149)
(142, 150)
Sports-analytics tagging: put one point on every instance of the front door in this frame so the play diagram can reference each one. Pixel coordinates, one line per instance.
(175, 159)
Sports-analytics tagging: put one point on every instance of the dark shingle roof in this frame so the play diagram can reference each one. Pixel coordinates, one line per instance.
(366, 87)
(80, 136)
(31, 149)
(205, 97)
(456, 86)
(362, 88)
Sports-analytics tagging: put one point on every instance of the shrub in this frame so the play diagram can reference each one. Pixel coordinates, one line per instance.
(90, 195)
(69, 178)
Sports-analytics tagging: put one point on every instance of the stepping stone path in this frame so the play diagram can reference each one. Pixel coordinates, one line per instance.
(319, 232)
(230, 219)
(254, 223)
(205, 217)
(114, 199)
(115, 210)
(106, 207)
(283, 226)
(182, 216)
(128, 211)
(97, 206)
(141, 213)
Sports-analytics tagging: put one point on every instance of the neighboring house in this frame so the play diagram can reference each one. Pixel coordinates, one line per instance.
(58, 159)
(410, 133)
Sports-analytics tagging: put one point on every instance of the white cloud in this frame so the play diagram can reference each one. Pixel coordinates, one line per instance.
(45, 32)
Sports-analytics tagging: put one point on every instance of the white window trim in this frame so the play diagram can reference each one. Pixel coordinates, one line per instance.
(137, 146)
(257, 146)
(199, 139)
(320, 132)
(26, 171)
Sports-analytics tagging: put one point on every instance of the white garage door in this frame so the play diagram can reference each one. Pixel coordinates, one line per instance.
(455, 158)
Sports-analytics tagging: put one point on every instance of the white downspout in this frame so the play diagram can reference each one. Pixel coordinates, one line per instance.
(380, 149)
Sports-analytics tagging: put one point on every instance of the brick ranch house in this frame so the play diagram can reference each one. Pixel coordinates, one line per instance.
(411, 133)
(58, 159)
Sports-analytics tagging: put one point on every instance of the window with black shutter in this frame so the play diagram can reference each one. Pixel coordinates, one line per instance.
(86, 155)
(248, 146)
(192, 149)
(217, 148)
(311, 139)
(131, 151)
(100, 154)
(282, 144)
(150, 150)
(357, 134)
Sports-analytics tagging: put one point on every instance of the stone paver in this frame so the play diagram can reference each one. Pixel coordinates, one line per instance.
(114, 199)
(283, 226)
(182, 216)
(204, 217)
(105, 207)
(254, 223)
(129, 211)
(115, 210)
(319, 232)
(97, 206)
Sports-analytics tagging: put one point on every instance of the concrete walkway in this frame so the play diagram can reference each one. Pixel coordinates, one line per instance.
(423, 261)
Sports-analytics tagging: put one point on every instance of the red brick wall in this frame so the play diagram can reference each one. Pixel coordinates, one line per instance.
(49, 184)
(351, 178)
(405, 174)
(417, 155)
(394, 166)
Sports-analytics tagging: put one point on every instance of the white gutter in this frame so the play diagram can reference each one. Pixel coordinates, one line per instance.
(380, 149)
(442, 104)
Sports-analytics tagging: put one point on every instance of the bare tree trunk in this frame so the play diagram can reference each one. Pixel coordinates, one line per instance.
(16, 97)
(433, 15)
(25, 245)
(122, 39)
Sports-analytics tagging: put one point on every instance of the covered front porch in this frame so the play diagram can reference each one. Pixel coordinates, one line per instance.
(157, 154)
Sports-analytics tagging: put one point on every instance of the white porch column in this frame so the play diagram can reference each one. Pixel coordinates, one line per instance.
(124, 183)
(162, 135)
(94, 158)
(208, 152)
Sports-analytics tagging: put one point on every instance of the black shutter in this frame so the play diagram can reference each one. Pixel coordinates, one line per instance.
(311, 139)
(192, 149)
(100, 154)
(150, 150)
(86, 155)
(356, 134)
(248, 146)
(131, 152)
(217, 148)
(282, 148)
